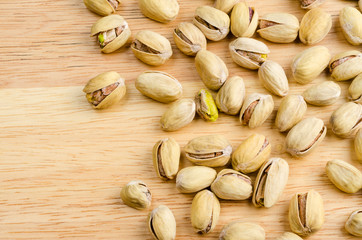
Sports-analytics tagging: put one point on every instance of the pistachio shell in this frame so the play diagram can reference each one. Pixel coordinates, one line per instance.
(166, 158)
(347, 119)
(101, 7)
(231, 95)
(273, 78)
(354, 223)
(308, 4)
(225, 5)
(162, 223)
(322, 94)
(346, 65)
(195, 178)
(159, 10)
(360, 4)
(351, 23)
(289, 236)
(355, 89)
(241, 23)
(205, 106)
(180, 114)
(291, 110)
(238, 230)
(358, 145)
(189, 39)
(136, 194)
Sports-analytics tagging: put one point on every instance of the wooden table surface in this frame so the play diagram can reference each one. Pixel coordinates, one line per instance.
(63, 164)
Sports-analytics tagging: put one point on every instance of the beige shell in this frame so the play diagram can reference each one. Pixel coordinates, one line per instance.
(159, 10)
(350, 65)
(358, 145)
(322, 94)
(273, 78)
(307, 4)
(230, 96)
(225, 5)
(289, 236)
(240, 23)
(355, 90)
(166, 158)
(179, 114)
(136, 194)
(360, 5)
(195, 178)
(354, 223)
(350, 20)
(189, 39)
(291, 110)
(346, 120)
(240, 230)
(162, 223)
(101, 7)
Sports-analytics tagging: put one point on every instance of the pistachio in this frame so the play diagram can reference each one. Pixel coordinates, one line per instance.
(210, 150)
(355, 89)
(189, 39)
(162, 223)
(205, 106)
(225, 5)
(105, 90)
(273, 78)
(306, 213)
(248, 52)
(151, 48)
(251, 153)
(238, 230)
(136, 194)
(305, 136)
(159, 10)
(309, 4)
(347, 119)
(351, 23)
(346, 65)
(354, 223)
(314, 26)
(195, 178)
(231, 95)
(358, 145)
(243, 20)
(232, 185)
(159, 86)
(180, 114)
(212, 22)
(291, 110)
(102, 7)
(289, 236)
(322, 94)
(205, 211)
(360, 4)
(166, 158)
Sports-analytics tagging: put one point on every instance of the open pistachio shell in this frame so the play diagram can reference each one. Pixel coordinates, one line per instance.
(102, 7)
(243, 20)
(309, 4)
(358, 145)
(136, 194)
(346, 65)
(166, 158)
(205, 106)
(354, 223)
(347, 119)
(351, 23)
(162, 223)
(189, 39)
(355, 90)
(159, 10)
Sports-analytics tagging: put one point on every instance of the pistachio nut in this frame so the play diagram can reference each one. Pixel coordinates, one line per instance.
(205, 211)
(248, 52)
(136, 194)
(309, 4)
(291, 110)
(322, 94)
(308, 64)
(355, 90)
(189, 39)
(273, 78)
(305, 136)
(230, 96)
(212, 69)
(102, 7)
(105, 90)
(256, 109)
(351, 23)
(306, 213)
(354, 223)
(289, 236)
(358, 145)
(346, 65)
(360, 4)
(205, 106)
(180, 114)
(314, 26)
(243, 20)
(251, 153)
(159, 86)
(210, 150)
(159, 10)
(212, 22)
(232, 185)
(347, 119)
(225, 5)
(151, 48)
(279, 27)
(162, 223)
(166, 158)
(238, 230)
(195, 178)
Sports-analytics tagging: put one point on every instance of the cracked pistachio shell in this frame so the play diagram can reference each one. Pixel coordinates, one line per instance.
(355, 90)
(159, 86)
(347, 119)
(344, 176)
(162, 223)
(305, 136)
(322, 94)
(358, 145)
(351, 23)
(179, 114)
(248, 52)
(231, 95)
(212, 22)
(205, 106)
(309, 4)
(241, 23)
(291, 110)
(256, 109)
(289, 236)
(159, 10)
(314, 26)
(280, 27)
(354, 223)
(205, 211)
(212, 69)
(195, 178)
(136, 194)
(251, 153)
(273, 78)
(189, 39)
(100, 7)
(225, 5)
(238, 230)
(306, 213)
(210, 150)
(310, 63)
(232, 185)
(166, 158)
(346, 65)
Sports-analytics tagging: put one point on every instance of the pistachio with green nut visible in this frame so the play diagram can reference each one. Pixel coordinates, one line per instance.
(180, 114)
(243, 20)
(289, 236)
(225, 5)
(239, 230)
(273, 78)
(291, 110)
(346, 65)
(166, 158)
(159, 10)
(309, 4)
(162, 223)
(358, 145)
(322, 94)
(350, 20)
(230, 96)
(195, 178)
(354, 223)
(189, 39)
(136, 194)
(347, 119)
(205, 106)
(355, 89)
(102, 7)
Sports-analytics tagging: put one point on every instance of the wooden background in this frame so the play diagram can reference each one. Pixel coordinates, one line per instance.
(62, 164)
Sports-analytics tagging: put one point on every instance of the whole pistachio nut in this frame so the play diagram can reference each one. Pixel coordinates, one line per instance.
(310, 63)
(239, 230)
(248, 52)
(291, 110)
(151, 48)
(355, 90)
(205, 211)
(305, 136)
(136, 194)
(230, 96)
(358, 145)
(243, 20)
(189, 39)
(180, 114)
(322, 94)
(159, 86)
(347, 119)
(232, 185)
(273, 78)
(309, 4)
(346, 65)
(166, 158)
(306, 213)
(289, 236)
(314, 26)
(351, 23)
(102, 7)
(195, 178)
(209, 150)
(159, 10)
(212, 69)
(162, 223)
(344, 176)
(251, 153)
(354, 223)
(105, 90)
(225, 5)
(256, 109)
(205, 106)
(213, 22)
(279, 27)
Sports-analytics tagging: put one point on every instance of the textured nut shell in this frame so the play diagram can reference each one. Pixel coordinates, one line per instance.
(101, 7)
(238, 230)
(225, 5)
(350, 20)
(358, 145)
(159, 10)
(169, 151)
(289, 236)
(180, 114)
(231, 95)
(322, 94)
(239, 21)
(291, 110)
(349, 69)
(136, 194)
(355, 89)
(196, 37)
(346, 119)
(195, 178)
(273, 78)
(162, 223)
(316, 3)
(354, 223)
